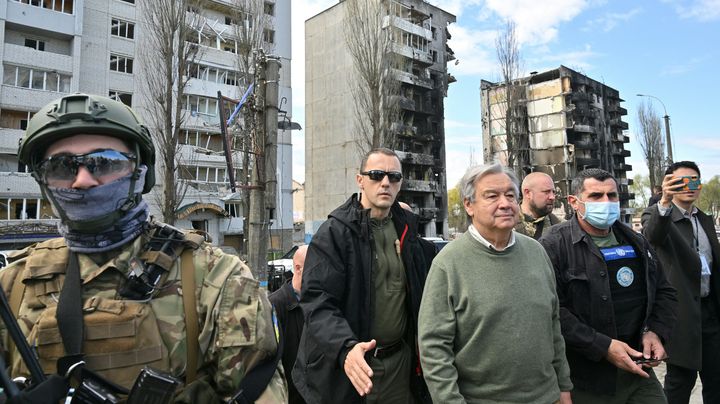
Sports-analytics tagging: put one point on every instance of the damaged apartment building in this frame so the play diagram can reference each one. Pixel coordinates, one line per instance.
(567, 122)
(419, 34)
(51, 48)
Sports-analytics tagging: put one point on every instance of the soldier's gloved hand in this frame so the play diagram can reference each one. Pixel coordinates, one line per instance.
(52, 390)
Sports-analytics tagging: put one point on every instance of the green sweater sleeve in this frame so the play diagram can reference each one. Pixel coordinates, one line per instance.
(560, 363)
(436, 333)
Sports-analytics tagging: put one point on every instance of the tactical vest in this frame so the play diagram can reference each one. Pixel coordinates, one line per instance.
(120, 336)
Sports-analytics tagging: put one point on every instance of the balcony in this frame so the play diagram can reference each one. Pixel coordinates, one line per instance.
(402, 129)
(231, 225)
(619, 137)
(24, 56)
(618, 123)
(586, 145)
(23, 99)
(9, 140)
(18, 185)
(419, 186)
(404, 102)
(422, 57)
(621, 152)
(43, 18)
(28, 230)
(621, 167)
(416, 158)
(412, 79)
(422, 31)
(586, 162)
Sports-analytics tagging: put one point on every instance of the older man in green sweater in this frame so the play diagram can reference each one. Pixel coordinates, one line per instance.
(489, 328)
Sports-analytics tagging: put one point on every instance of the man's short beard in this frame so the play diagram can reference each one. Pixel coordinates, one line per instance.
(540, 212)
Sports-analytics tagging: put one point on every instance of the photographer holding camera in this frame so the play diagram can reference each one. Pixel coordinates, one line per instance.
(687, 245)
(122, 301)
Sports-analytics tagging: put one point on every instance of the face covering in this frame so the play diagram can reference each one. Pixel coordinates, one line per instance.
(80, 205)
(601, 215)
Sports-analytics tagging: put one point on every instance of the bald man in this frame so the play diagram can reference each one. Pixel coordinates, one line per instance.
(538, 201)
(291, 320)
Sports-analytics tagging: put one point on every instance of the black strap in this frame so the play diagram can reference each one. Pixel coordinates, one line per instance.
(257, 380)
(69, 315)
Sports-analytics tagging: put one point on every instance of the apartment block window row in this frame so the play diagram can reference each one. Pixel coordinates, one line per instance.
(23, 209)
(213, 74)
(125, 98)
(205, 174)
(63, 6)
(123, 64)
(121, 28)
(198, 104)
(411, 40)
(36, 79)
(206, 140)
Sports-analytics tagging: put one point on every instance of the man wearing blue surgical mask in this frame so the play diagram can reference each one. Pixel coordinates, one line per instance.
(616, 306)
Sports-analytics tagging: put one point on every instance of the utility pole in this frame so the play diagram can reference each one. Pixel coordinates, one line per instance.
(668, 139)
(262, 191)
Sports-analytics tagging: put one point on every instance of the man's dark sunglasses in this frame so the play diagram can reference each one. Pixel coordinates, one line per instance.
(378, 175)
(63, 168)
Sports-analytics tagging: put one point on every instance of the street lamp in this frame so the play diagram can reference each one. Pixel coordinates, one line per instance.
(667, 126)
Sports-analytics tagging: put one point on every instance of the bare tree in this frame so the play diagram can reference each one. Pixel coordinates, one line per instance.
(166, 57)
(511, 94)
(375, 91)
(651, 142)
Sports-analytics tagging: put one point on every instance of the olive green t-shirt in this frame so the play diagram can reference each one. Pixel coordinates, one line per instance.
(388, 274)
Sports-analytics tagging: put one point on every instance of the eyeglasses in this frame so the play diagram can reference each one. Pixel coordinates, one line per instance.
(60, 170)
(378, 175)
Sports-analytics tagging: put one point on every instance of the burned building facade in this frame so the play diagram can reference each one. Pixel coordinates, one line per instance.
(420, 55)
(567, 122)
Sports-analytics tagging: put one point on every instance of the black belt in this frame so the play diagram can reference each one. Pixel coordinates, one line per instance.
(382, 352)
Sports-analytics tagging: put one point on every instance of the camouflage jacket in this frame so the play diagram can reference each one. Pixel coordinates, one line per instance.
(122, 336)
(528, 225)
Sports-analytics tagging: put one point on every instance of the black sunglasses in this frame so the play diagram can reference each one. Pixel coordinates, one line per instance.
(60, 170)
(378, 175)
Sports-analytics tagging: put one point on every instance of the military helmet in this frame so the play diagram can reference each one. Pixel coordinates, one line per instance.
(86, 114)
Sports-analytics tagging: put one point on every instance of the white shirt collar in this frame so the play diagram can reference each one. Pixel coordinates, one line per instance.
(477, 236)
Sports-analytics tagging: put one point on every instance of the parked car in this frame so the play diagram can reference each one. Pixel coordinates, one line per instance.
(280, 270)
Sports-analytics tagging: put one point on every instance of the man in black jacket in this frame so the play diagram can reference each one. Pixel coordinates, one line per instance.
(286, 301)
(365, 273)
(616, 307)
(688, 247)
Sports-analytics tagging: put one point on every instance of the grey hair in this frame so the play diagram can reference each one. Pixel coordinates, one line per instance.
(475, 173)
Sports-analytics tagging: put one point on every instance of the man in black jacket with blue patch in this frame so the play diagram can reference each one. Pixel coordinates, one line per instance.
(616, 306)
(365, 273)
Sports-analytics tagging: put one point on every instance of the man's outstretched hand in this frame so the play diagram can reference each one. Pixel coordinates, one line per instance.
(357, 369)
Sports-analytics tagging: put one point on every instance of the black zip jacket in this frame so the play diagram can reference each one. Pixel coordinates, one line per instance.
(337, 300)
(586, 311)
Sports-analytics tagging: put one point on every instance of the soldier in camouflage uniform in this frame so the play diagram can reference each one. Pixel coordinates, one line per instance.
(538, 199)
(93, 159)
